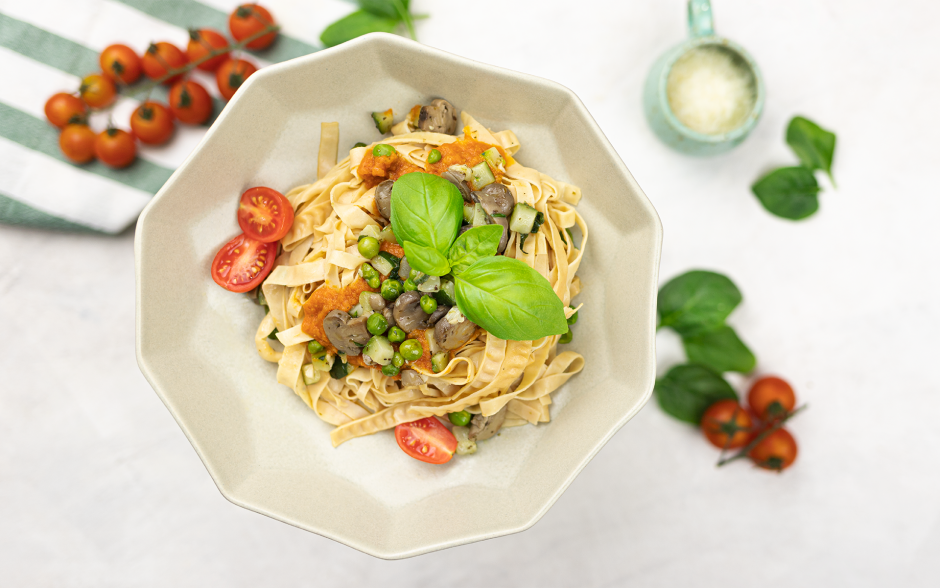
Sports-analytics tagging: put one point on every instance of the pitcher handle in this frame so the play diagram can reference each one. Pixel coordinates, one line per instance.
(701, 23)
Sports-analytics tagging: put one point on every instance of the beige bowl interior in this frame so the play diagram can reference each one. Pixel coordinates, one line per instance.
(263, 447)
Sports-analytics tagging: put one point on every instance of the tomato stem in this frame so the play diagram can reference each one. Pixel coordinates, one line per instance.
(760, 437)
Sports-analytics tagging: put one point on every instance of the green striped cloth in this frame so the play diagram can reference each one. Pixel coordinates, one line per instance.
(47, 47)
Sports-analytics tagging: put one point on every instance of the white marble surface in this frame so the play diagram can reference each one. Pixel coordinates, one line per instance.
(98, 487)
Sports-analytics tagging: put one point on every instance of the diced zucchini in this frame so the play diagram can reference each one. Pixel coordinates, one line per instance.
(382, 265)
(468, 210)
(311, 375)
(446, 294)
(380, 350)
(387, 235)
(355, 311)
(395, 261)
(364, 302)
(481, 176)
(340, 369)
(492, 157)
(439, 361)
(539, 221)
(465, 446)
(383, 120)
(479, 216)
(523, 218)
(371, 231)
(324, 364)
(461, 169)
(429, 284)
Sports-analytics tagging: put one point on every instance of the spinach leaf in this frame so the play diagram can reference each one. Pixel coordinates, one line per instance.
(426, 259)
(696, 302)
(509, 299)
(788, 192)
(721, 350)
(812, 144)
(426, 210)
(688, 389)
(356, 24)
(475, 244)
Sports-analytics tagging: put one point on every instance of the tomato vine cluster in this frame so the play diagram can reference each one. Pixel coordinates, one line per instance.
(152, 123)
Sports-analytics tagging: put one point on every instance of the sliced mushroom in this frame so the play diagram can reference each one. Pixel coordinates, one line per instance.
(482, 428)
(345, 332)
(437, 315)
(458, 179)
(389, 315)
(411, 378)
(496, 199)
(376, 302)
(439, 116)
(408, 312)
(383, 198)
(505, 238)
(451, 335)
(404, 269)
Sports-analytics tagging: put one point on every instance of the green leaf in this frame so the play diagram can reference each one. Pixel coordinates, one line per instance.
(426, 259)
(475, 244)
(721, 350)
(687, 390)
(812, 144)
(355, 25)
(696, 302)
(426, 210)
(509, 299)
(384, 8)
(788, 192)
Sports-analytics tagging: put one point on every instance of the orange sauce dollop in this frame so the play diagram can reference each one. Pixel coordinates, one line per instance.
(325, 299)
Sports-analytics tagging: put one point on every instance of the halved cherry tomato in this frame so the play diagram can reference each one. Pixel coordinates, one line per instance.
(160, 58)
(771, 398)
(265, 214)
(62, 108)
(115, 148)
(727, 425)
(243, 263)
(426, 440)
(152, 123)
(190, 102)
(77, 142)
(97, 91)
(250, 19)
(119, 62)
(231, 75)
(776, 451)
(201, 43)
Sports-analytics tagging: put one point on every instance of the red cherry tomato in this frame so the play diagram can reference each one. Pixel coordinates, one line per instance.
(250, 19)
(97, 91)
(201, 43)
(77, 142)
(160, 58)
(771, 398)
(190, 102)
(115, 148)
(243, 263)
(62, 108)
(231, 75)
(119, 62)
(727, 425)
(776, 451)
(426, 440)
(265, 214)
(152, 123)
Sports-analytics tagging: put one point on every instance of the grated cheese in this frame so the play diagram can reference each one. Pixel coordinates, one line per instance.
(710, 91)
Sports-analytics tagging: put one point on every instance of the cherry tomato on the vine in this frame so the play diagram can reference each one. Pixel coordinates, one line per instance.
(771, 398)
(77, 142)
(231, 75)
(115, 148)
(243, 263)
(427, 440)
(265, 214)
(777, 451)
(152, 123)
(97, 91)
(727, 425)
(62, 108)
(248, 20)
(190, 102)
(201, 43)
(119, 62)
(160, 58)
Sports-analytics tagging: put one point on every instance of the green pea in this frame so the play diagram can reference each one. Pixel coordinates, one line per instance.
(382, 150)
(566, 338)
(314, 347)
(374, 282)
(461, 419)
(411, 350)
(359, 144)
(434, 156)
(573, 318)
(409, 286)
(377, 324)
(396, 335)
(428, 304)
(413, 274)
(391, 289)
(368, 272)
(398, 360)
(390, 370)
(439, 361)
(368, 247)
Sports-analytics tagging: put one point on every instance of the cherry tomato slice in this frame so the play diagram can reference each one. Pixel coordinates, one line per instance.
(771, 398)
(265, 214)
(426, 440)
(243, 263)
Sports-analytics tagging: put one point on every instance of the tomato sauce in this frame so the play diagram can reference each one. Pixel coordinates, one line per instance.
(393, 248)
(423, 362)
(326, 299)
(375, 170)
(465, 151)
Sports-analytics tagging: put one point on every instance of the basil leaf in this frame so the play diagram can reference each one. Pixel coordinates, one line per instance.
(509, 299)
(696, 302)
(475, 244)
(812, 144)
(384, 8)
(687, 390)
(356, 24)
(426, 259)
(788, 192)
(426, 210)
(721, 350)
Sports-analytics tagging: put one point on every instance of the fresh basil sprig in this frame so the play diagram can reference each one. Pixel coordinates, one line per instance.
(426, 210)
(426, 259)
(720, 349)
(474, 245)
(687, 390)
(373, 16)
